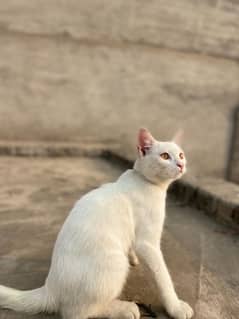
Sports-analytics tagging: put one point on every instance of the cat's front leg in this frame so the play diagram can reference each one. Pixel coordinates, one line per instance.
(153, 257)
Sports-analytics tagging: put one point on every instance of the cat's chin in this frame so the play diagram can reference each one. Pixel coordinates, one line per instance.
(179, 174)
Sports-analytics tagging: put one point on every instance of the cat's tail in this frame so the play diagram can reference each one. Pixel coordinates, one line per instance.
(29, 301)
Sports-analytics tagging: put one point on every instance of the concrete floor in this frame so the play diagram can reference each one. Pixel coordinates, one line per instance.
(36, 195)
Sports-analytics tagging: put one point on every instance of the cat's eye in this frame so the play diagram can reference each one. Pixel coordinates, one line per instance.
(165, 156)
(181, 155)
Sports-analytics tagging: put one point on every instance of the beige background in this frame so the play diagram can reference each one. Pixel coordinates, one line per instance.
(73, 70)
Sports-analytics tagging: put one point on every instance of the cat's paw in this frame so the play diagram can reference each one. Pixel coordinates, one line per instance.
(181, 311)
(131, 311)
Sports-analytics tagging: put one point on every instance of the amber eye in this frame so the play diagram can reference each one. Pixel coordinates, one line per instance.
(165, 156)
(181, 155)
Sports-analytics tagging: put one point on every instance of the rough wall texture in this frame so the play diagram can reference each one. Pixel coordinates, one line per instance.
(71, 70)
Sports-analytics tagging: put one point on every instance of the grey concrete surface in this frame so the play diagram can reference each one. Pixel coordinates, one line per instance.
(216, 197)
(36, 195)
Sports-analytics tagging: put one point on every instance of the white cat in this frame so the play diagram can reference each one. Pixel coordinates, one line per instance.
(106, 226)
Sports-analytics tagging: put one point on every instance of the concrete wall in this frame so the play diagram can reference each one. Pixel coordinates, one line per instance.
(72, 70)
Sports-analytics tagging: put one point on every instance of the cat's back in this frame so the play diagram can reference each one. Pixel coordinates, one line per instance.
(98, 207)
(101, 216)
(97, 197)
(109, 192)
(115, 192)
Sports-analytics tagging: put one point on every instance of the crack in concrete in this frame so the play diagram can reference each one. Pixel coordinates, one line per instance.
(200, 275)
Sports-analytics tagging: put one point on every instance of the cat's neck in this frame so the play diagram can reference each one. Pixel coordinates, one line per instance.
(133, 182)
(161, 184)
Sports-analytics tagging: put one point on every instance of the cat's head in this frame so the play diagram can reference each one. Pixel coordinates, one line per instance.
(157, 161)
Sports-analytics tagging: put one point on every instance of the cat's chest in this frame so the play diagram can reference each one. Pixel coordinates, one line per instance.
(149, 223)
(149, 208)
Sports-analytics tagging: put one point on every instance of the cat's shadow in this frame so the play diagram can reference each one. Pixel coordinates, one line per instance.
(141, 288)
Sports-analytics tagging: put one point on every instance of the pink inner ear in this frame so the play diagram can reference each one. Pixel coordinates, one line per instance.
(145, 140)
(178, 137)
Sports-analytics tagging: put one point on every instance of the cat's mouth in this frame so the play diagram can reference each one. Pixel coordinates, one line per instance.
(180, 167)
(180, 171)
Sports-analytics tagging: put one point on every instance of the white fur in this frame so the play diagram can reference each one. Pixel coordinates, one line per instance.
(103, 231)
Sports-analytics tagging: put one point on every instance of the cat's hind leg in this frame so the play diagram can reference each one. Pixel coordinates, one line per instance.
(88, 293)
(118, 309)
(79, 311)
(74, 313)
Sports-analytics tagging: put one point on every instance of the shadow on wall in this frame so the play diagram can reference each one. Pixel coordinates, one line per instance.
(232, 173)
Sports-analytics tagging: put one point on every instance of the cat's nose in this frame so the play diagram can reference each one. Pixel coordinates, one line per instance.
(180, 166)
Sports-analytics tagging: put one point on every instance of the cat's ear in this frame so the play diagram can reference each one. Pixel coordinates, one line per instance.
(178, 137)
(145, 141)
